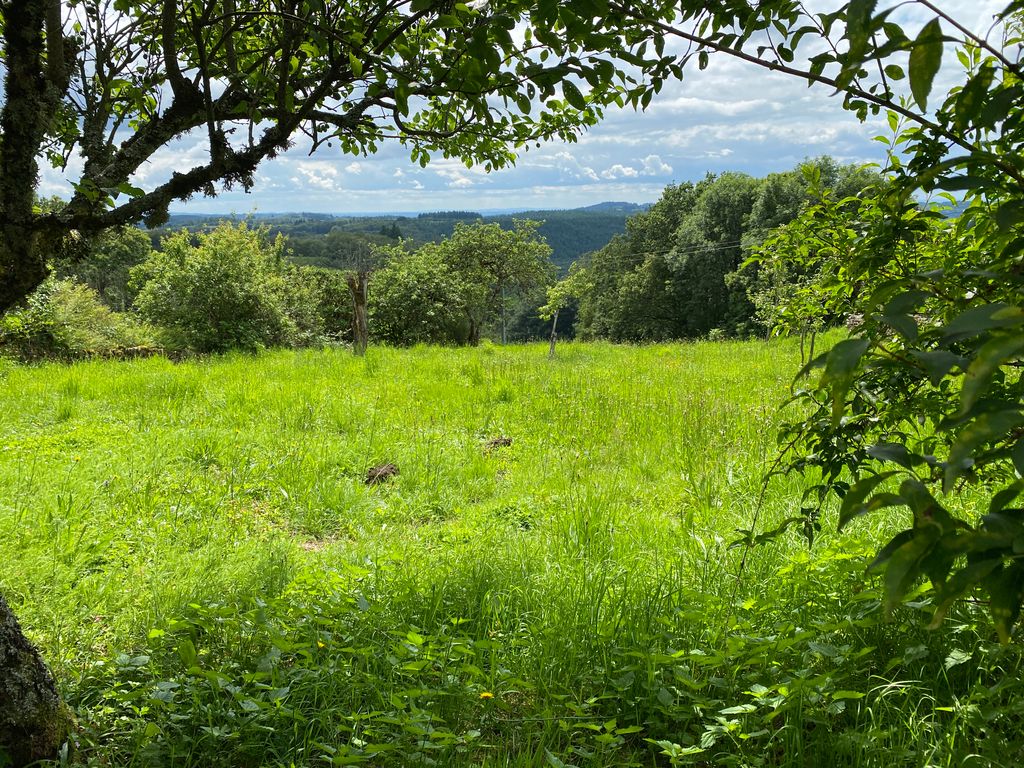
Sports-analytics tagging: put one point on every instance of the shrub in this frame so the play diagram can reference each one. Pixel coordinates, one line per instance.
(64, 319)
(418, 298)
(231, 288)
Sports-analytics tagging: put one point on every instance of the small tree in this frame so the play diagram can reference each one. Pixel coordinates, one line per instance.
(107, 264)
(495, 265)
(229, 289)
(418, 298)
(560, 295)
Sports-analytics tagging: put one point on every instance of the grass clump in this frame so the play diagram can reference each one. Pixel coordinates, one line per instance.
(197, 551)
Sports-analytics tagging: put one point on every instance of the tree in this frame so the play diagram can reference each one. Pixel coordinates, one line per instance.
(925, 399)
(228, 289)
(333, 299)
(119, 80)
(560, 295)
(790, 256)
(108, 264)
(495, 265)
(418, 298)
(34, 721)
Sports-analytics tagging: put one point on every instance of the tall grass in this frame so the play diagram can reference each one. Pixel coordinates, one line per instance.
(196, 551)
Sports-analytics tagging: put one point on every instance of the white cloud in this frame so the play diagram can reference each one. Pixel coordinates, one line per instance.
(655, 166)
(354, 168)
(619, 171)
(567, 166)
(318, 174)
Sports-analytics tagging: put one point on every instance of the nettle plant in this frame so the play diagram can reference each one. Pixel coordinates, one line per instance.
(922, 407)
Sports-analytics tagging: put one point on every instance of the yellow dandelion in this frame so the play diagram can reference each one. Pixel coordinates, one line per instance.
(320, 644)
(486, 695)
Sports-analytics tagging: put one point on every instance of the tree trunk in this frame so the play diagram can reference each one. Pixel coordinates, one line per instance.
(32, 94)
(554, 335)
(358, 283)
(504, 335)
(34, 722)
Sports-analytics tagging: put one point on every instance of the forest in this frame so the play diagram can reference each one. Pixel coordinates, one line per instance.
(763, 510)
(322, 241)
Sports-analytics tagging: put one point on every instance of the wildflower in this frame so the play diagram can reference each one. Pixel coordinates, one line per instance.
(320, 644)
(486, 695)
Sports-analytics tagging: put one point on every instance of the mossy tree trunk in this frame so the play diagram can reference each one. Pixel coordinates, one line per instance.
(358, 284)
(34, 721)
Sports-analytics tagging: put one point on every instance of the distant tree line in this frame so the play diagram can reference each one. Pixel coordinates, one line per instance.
(681, 270)
(322, 239)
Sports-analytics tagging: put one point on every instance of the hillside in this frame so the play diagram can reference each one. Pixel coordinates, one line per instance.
(570, 233)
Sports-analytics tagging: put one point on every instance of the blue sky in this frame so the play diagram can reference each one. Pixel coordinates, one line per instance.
(729, 117)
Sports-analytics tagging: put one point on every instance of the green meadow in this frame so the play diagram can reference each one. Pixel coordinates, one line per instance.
(196, 550)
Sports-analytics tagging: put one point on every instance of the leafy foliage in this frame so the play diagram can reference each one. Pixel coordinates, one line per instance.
(66, 320)
(452, 291)
(676, 274)
(230, 289)
(417, 297)
(107, 264)
(922, 408)
(470, 81)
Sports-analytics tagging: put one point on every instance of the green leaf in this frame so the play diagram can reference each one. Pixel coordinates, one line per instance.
(1004, 590)
(1005, 496)
(938, 363)
(572, 95)
(894, 72)
(905, 325)
(853, 502)
(896, 453)
(927, 511)
(904, 566)
(840, 364)
(187, 652)
(986, 428)
(992, 355)
(958, 584)
(128, 189)
(957, 657)
(555, 762)
(1011, 212)
(986, 317)
(886, 552)
(925, 59)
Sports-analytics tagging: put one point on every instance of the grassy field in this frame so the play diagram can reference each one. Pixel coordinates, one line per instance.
(195, 550)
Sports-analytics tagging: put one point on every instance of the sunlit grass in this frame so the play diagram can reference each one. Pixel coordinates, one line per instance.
(581, 574)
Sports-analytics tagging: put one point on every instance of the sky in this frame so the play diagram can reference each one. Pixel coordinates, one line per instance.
(730, 117)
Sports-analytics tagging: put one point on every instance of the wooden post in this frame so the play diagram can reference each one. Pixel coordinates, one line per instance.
(358, 283)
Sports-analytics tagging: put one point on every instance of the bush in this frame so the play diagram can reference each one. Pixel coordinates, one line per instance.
(418, 298)
(106, 268)
(333, 300)
(231, 288)
(67, 320)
